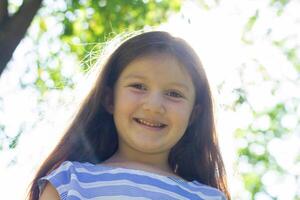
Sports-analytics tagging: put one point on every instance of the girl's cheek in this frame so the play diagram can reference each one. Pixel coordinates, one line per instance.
(133, 95)
(179, 107)
(185, 109)
(175, 103)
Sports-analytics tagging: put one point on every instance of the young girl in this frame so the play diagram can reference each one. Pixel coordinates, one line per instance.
(145, 131)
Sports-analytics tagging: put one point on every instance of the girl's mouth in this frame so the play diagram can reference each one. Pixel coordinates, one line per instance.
(149, 124)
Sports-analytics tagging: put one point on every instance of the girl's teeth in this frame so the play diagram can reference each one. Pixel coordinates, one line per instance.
(149, 123)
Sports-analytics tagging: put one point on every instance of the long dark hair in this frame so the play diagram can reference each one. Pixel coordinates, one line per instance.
(92, 136)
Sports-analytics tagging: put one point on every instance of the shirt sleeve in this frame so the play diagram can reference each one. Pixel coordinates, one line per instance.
(59, 178)
(223, 196)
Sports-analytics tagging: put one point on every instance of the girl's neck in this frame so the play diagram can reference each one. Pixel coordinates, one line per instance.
(154, 165)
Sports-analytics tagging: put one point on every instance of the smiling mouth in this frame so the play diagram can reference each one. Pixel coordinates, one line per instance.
(150, 124)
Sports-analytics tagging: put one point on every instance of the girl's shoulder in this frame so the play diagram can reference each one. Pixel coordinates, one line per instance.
(209, 190)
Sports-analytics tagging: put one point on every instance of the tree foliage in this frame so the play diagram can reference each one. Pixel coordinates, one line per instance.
(261, 144)
(81, 21)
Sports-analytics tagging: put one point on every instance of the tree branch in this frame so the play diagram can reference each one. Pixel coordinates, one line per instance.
(14, 29)
(3, 11)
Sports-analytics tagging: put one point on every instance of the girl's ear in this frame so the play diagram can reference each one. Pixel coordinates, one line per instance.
(196, 111)
(108, 100)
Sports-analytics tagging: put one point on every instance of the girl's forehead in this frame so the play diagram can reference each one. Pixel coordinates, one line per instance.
(162, 68)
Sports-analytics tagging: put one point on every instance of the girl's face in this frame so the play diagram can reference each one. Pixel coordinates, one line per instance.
(153, 102)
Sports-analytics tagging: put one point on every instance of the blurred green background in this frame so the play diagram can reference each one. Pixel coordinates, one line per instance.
(250, 49)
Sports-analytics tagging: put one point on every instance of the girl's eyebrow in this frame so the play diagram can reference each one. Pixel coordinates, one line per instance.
(134, 76)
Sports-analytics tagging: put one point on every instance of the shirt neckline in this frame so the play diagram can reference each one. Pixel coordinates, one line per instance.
(141, 171)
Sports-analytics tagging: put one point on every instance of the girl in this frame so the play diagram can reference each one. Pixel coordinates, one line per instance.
(145, 131)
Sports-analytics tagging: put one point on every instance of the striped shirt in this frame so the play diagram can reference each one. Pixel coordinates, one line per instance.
(75, 180)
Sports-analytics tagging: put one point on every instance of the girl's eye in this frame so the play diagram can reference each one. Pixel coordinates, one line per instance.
(138, 86)
(174, 94)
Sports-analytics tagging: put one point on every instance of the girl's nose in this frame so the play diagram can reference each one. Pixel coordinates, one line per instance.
(154, 103)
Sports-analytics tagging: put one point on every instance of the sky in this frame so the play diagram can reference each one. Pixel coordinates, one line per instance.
(216, 36)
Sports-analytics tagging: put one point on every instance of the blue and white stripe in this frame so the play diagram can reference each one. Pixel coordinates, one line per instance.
(74, 180)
